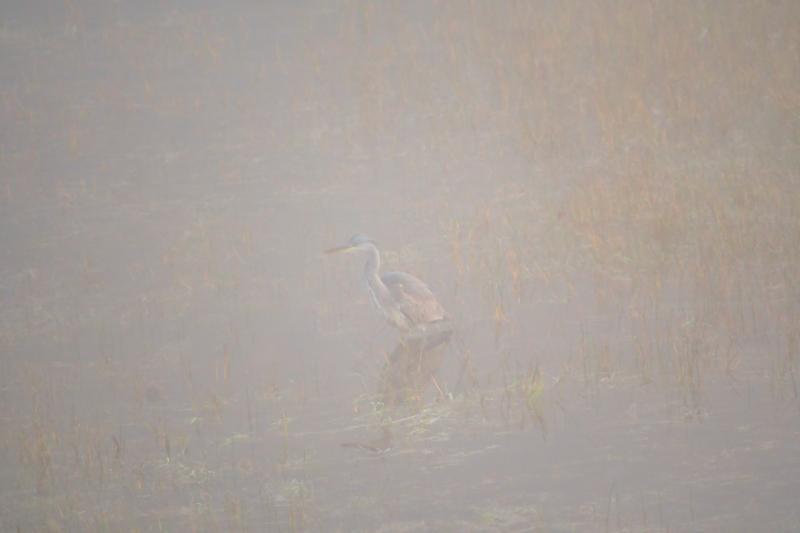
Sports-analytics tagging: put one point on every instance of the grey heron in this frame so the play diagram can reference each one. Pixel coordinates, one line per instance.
(404, 300)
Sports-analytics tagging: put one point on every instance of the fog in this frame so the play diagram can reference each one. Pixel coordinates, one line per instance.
(602, 195)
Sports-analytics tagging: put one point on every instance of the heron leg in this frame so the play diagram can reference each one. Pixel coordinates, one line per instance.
(411, 367)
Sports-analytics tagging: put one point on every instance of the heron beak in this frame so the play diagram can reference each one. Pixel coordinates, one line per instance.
(338, 249)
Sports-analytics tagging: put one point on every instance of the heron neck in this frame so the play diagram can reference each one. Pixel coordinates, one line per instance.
(372, 268)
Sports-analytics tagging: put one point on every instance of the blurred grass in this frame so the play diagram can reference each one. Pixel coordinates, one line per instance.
(169, 175)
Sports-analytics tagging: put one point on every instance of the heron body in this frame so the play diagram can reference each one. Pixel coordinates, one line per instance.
(404, 300)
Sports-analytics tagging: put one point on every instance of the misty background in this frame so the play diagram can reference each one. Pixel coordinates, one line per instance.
(604, 195)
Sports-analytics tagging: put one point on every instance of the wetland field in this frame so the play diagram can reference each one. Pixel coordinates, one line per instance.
(604, 196)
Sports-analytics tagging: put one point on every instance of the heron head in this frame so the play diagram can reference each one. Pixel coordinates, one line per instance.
(357, 242)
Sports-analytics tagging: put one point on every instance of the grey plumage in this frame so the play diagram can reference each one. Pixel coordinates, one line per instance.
(404, 300)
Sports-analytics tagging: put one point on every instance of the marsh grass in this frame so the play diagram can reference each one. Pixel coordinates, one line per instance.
(603, 194)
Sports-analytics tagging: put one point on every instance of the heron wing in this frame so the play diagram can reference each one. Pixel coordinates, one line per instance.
(414, 299)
